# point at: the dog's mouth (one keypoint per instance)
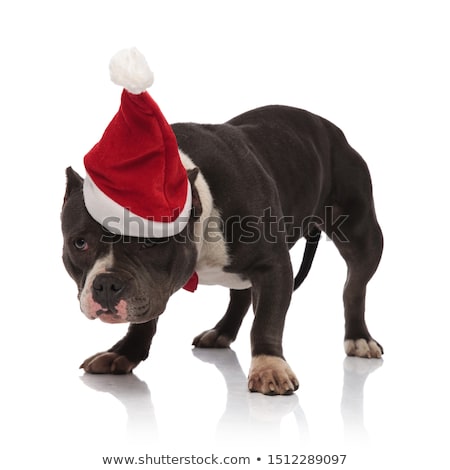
(123, 316)
(114, 314)
(107, 316)
(131, 309)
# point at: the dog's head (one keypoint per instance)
(119, 278)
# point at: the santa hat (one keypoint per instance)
(136, 184)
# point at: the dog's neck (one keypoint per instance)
(211, 250)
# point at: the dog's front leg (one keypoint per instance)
(272, 289)
(125, 355)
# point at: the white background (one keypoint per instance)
(379, 70)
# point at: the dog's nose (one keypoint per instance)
(107, 290)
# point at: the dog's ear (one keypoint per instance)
(196, 203)
(74, 182)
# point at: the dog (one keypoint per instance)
(260, 182)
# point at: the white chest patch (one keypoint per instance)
(212, 253)
(213, 276)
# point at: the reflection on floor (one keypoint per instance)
(257, 415)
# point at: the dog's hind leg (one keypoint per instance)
(361, 247)
(225, 332)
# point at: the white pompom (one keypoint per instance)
(129, 69)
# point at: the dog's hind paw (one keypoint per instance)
(271, 375)
(211, 339)
(108, 363)
(363, 348)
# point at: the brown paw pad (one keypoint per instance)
(211, 339)
(363, 348)
(108, 363)
(271, 375)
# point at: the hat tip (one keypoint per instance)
(128, 68)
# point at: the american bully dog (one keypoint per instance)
(259, 183)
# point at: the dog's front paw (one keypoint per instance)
(271, 375)
(211, 339)
(108, 363)
(363, 348)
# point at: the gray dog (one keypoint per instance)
(259, 183)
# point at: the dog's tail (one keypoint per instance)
(312, 241)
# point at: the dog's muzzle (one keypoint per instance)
(105, 299)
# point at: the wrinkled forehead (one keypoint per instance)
(75, 219)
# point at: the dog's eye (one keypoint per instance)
(80, 244)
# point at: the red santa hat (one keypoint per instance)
(136, 184)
